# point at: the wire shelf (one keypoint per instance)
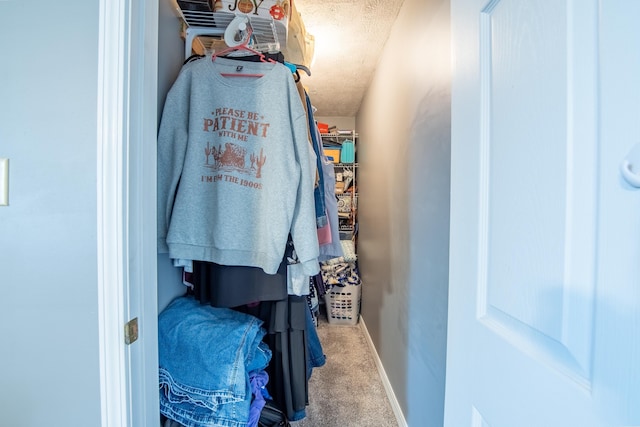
(206, 27)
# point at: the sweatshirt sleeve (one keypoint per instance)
(172, 144)
(303, 226)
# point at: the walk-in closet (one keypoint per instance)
(257, 222)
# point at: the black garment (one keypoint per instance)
(229, 286)
(276, 56)
(285, 323)
(232, 286)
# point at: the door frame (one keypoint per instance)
(126, 210)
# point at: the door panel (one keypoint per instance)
(535, 290)
(543, 321)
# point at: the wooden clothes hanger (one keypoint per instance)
(244, 46)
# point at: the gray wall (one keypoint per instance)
(170, 59)
(404, 156)
(49, 364)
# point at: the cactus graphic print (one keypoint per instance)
(234, 127)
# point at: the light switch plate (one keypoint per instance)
(4, 182)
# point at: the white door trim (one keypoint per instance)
(111, 136)
(126, 210)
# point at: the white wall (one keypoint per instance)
(49, 365)
(404, 157)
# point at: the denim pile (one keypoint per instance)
(212, 365)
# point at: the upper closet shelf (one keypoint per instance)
(207, 20)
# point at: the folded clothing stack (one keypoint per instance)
(208, 357)
(340, 273)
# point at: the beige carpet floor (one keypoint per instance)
(347, 391)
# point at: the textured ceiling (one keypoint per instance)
(349, 36)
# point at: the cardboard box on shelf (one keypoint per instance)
(333, 153)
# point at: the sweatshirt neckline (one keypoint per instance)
(264, 68)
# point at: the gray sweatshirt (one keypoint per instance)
(235, 167)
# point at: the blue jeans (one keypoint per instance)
(206, 355)
(315, 354)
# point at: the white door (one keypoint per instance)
(544, 315)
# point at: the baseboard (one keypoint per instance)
(383, 376)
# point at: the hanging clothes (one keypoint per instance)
(235, 167)
(233, 286)
(236, 175)
(285, 324)
(325, 191)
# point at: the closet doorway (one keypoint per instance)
(142, 57)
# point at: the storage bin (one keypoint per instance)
(343, 304)
(347, 152)
(323, 127)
